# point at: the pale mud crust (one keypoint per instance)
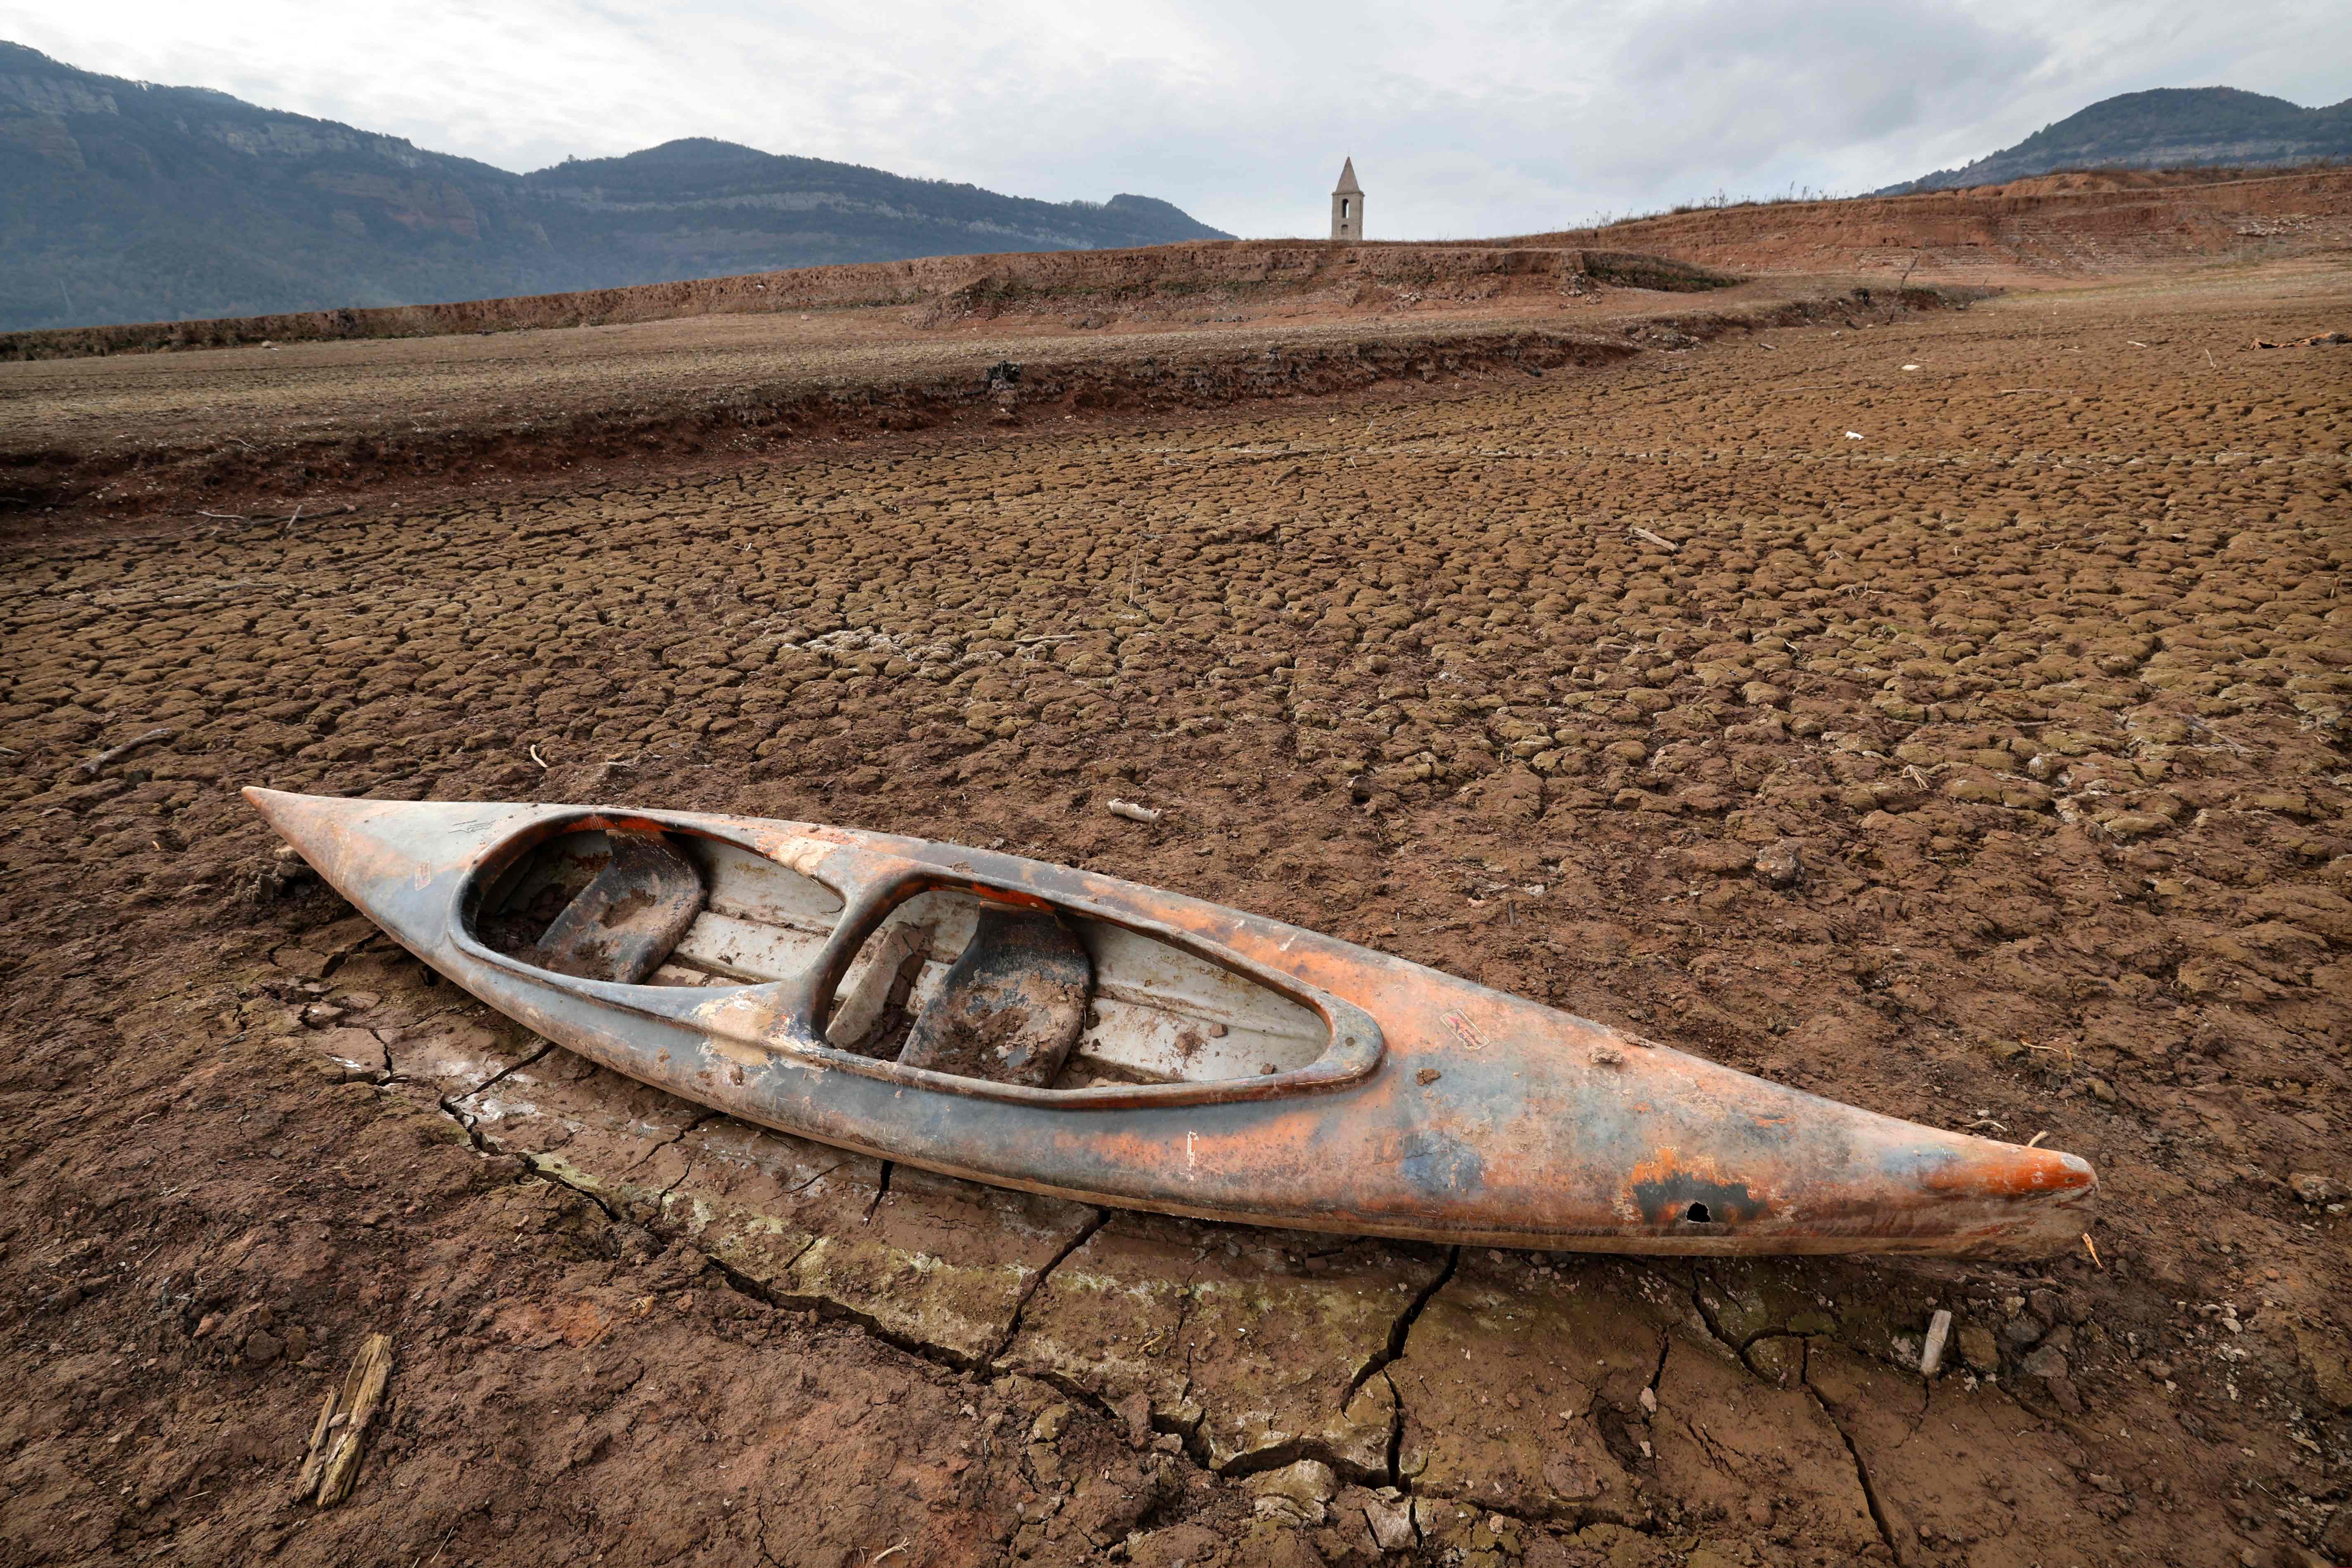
(1986, 767)
(248, 437)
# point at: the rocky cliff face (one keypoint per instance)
(133, 202)
(2165, 128)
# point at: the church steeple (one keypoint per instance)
(1347, 205)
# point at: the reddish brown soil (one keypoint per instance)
(2034, 687)
(2028, 232)
(1088, 289)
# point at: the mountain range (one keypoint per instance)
(2167, 128)
(124, 201)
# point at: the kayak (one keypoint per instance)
(1041, 1027)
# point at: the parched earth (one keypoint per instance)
(314, 427)
(1946, 716)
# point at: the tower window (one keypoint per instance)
(1347, 208)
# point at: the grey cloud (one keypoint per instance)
(1755, 82)
(1480, 116)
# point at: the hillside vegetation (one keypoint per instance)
(2169, 127)
(128, 202)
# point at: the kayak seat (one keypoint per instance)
(1012, 1006)
(624, 923)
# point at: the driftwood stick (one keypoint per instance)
(332, 1464)
(89, 769)
(314, 1457)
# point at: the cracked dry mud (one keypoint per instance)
(1987, 770)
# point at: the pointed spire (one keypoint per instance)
(1347, 185)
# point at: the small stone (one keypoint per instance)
(1649, 1402)
(298, 1342)
(2045, 1305)
(1778, 1359)
(1931, 1354)
(1296, 1491)
(2103, 1090)
(1979, 1349)
(2130, 825)
(1779, 864)
(2024, 1330)
(2046, 1363)
(2313, 1188)
(1391, 1526)
(1050, 1421)
(262, 1347)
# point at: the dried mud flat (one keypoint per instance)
(1985, 767)
(268, 430)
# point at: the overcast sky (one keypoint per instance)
(1465, 117)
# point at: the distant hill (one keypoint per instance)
(123, 201)
(2169, 127)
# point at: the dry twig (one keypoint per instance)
(333, 1463)
(89, 769)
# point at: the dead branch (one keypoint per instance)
(333, 1463)
(89, 769)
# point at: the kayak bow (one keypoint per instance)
(1035, 1027)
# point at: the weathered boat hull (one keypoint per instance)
(1439, 1109)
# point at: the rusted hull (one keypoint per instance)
(1442, 1110)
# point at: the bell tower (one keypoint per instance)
(1347, 205)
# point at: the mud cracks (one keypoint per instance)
(1985, 769)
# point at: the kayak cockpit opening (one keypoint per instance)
(948, 980)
